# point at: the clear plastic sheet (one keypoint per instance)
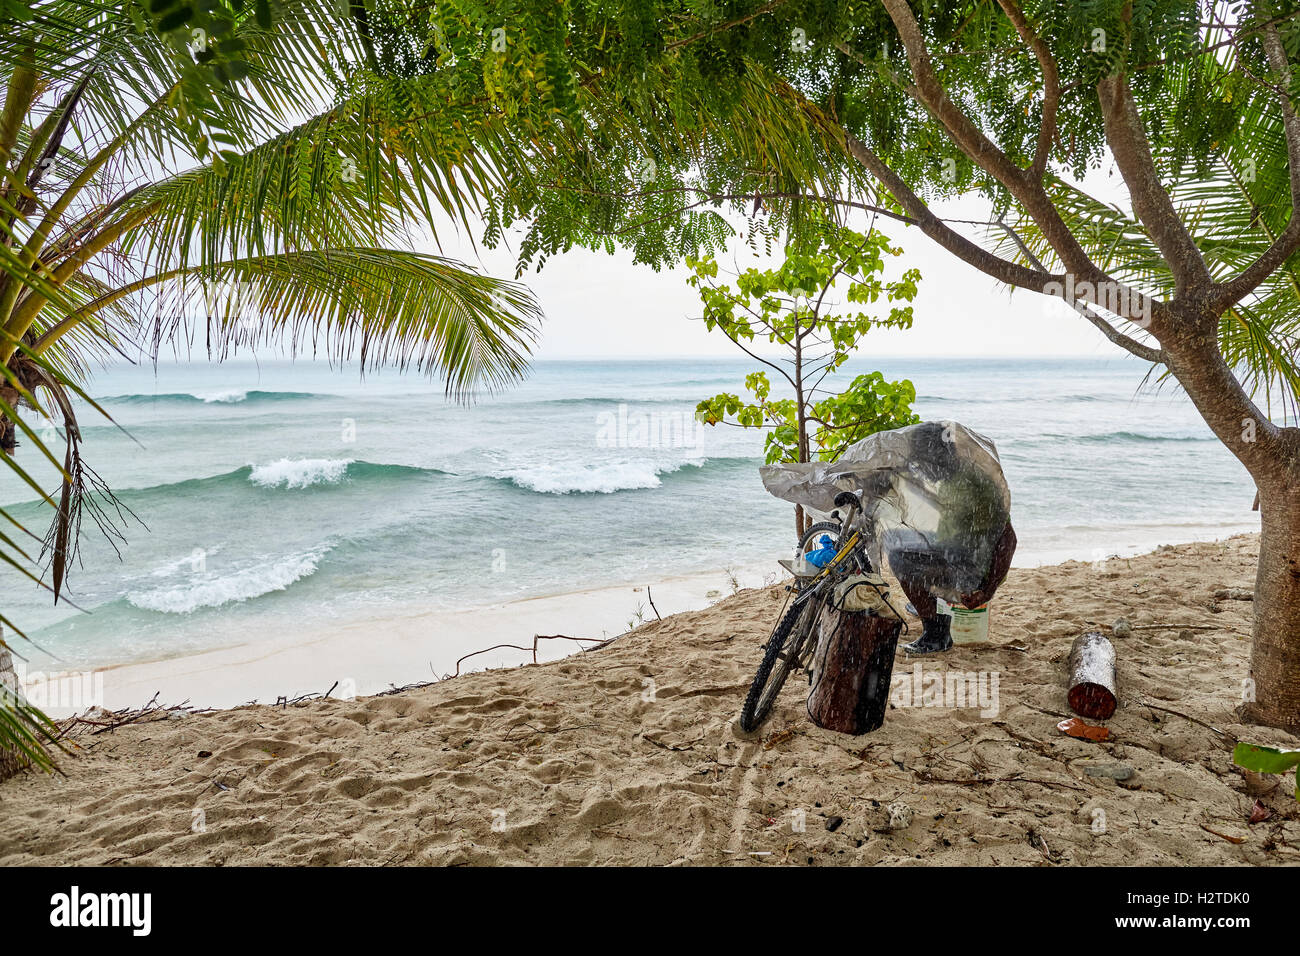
(933, 495)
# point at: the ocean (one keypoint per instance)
(275, 497)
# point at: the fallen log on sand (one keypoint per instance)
(1091, 691)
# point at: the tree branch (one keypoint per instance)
(772, 365)
(705, 34)
(1117, 337)
(1266, 449)
(1051, 84)
(930, 93)
(1037, 279)
(1003, 270)
(1025, 185)
(1127, 343)
(1151, 202)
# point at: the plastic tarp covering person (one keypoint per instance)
(934, 499)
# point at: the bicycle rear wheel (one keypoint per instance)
(808, 541)
(779, 656)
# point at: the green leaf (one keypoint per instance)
(1266, 760)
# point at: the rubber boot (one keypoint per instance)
(936, 636)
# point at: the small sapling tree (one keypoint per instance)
(815, 333)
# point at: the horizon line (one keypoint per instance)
(743, 359)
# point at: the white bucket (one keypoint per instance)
(970, 625)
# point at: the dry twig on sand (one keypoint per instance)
(651, 599)
(1224, 836)
(1176, 627)
(536, 637)
(927, 777)
(1200, 723)
(109, 720)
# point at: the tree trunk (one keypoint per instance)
(10, 763)
(1272, 456)
(1275, 648)
(8, 431)
(802, 521)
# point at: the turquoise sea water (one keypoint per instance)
(277, 495)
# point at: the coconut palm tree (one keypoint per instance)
(236, 175)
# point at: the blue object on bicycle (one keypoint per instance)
(821, 557)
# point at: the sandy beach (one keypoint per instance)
(629, 754)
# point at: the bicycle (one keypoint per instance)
(789, 646)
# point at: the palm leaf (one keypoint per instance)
(385, 306)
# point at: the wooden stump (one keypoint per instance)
(851, 670)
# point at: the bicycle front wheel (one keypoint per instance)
(779, 656)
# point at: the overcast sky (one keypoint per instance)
(600, 305)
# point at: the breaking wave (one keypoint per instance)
(232, 588)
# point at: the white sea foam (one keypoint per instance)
(300, 472)
(563, 479)
(225, 398)
(214, 590)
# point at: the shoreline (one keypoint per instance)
(371, 655)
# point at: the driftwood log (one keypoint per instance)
(851, 670)
(1091, 691)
